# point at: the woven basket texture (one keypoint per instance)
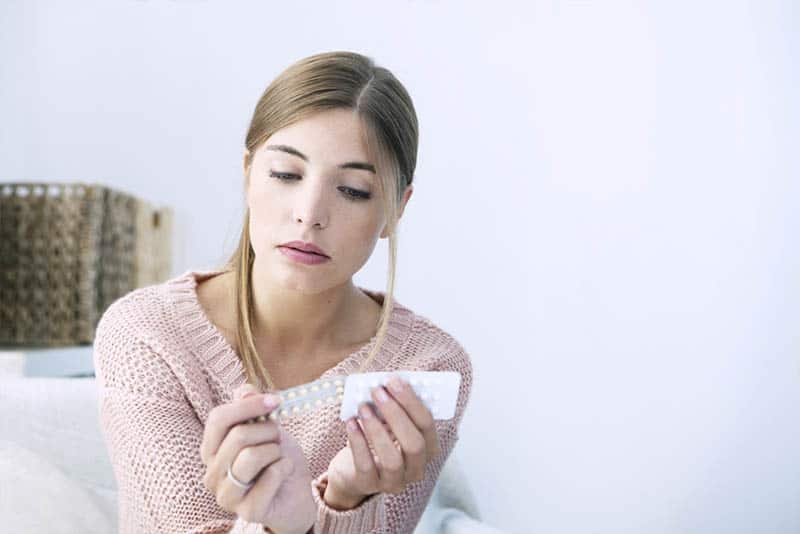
(69, 250)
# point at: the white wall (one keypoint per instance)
(605, 215)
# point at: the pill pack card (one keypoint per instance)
(438, 391)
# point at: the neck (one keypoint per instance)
(297, 324)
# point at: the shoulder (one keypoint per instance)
(431, 347)
(133, 339)
(139, 314)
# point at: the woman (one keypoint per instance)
(187, 370)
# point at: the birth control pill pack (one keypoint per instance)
(438, 391)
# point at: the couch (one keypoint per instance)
(57, 477)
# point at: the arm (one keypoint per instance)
(393, 513)
(153, 438)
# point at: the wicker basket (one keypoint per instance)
(67, 251)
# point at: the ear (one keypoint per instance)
(406, 195)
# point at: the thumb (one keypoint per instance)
(245, 390)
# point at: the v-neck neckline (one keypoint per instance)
(214, 350)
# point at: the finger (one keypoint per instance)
(241, 438)
(412, 443)
(245, 390)
(405, 395)
(362, 456)
(223, 417)
(246, 467)
(265, 488)
(390, 460)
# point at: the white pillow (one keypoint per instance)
(36, 496)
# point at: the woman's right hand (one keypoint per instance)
(263, 452)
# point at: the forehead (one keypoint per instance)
(325, 137)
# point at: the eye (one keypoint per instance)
(356, 194)
(349, 192)
(283, 175)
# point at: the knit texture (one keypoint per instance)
(162, 366)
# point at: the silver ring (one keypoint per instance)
(238, 482)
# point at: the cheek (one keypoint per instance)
(263, 221)
(363, 228)
(358, 237)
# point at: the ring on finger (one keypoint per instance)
(238, 482)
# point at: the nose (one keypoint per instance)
(310, 204)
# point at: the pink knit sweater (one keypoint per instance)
(161, 366)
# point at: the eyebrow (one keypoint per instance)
(349, 165)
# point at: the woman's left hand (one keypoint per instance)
(400, 452)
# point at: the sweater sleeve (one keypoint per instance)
(153, 439)
(383, 513)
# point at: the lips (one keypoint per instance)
(306, 251)
(302, 246)
(302, 257)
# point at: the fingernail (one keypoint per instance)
(381, 395)
(351, 425)
(249, 394)
(396, 384)
(271, 401)
(365, 412)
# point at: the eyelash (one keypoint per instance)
(349, 192)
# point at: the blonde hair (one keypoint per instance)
(325, 81)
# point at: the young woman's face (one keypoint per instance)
(311, 198)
